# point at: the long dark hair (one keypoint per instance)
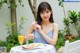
(42, 7)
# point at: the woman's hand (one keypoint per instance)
(38, 27)
(34, 25)
(30, 36)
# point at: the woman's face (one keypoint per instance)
(45, 15)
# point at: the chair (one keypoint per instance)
(73, 47)
(2, 49)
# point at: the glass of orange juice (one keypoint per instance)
(20, 39)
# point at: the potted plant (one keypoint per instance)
(68, 35)
(74, 18)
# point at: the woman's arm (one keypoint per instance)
(52, 40)
(28, 35)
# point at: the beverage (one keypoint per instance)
(21, 39)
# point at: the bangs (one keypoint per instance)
(43, 7)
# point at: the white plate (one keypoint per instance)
(33, 46)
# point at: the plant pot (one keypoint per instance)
(68, 37)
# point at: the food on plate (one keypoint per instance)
(28, 47)
(38, 44)
(31, 46)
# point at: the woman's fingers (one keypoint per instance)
(30, 36)
(25, 38)
(35, 25)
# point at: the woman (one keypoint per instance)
(43, 30)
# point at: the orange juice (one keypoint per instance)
(21, 39)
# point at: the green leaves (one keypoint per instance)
(22, 21)
(78, 15)
(11, 3)
(5, 1)
(1, 3)
(73, 16)
(60, 3)
(9, 24)
(2, 43)
(60, 41)
(8, 27)
(20, 1)
(66, 21)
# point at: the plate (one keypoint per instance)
(33, 46)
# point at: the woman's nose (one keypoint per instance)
(45, 14)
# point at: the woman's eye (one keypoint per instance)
(47, 11)
(42, 13)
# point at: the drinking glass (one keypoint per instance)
(20, 39)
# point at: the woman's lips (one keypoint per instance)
(45, 17)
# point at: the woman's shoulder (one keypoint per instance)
(55, 24)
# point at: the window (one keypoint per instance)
(71, 0)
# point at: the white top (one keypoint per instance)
(46, 49)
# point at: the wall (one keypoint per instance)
(4, 17)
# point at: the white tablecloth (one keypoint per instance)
(46, 49)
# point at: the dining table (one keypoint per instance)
(45, 49)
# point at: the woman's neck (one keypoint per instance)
(45, 23)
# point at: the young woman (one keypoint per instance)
(43, 30)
